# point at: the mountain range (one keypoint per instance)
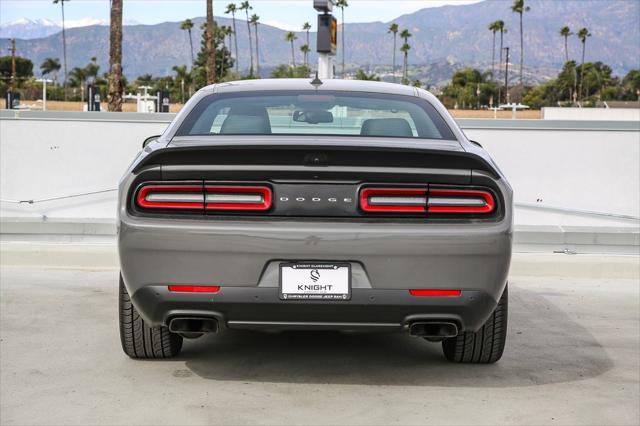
(448, 36)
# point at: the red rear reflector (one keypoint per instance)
(435, 292)
(256, 198)
(171, 197)
(393, 200)
(460, 201)
(195, 288)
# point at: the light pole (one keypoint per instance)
(44, 82)
(327, 37)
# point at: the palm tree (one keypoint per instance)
(92, 69)
(115, 57)
(210, 44)
(64, 47)
(306, 27)
(305, 53)
(246, 7)
(519, 8)
(566, 32)
(393, 29)
(582, 35)
(503, 29)
(231, 8)
(342, 4)
(254, 21)
(494, 28)
(405, 49)
(405, 34)
(187, 25)
(183, 76)
(291, 37)
(51, 66)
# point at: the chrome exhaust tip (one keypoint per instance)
(436, 330)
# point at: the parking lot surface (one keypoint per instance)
(572, 357)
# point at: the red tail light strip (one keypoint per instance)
(194, 288)
(257, 198)
(460, 201)
(435, 293)
(171, 197)
(393, 200)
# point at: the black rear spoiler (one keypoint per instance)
(316, 156)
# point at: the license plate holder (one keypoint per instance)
(315, 281)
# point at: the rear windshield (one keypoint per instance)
(313, 113)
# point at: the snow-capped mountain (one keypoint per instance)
(29, 28)
(26, 28)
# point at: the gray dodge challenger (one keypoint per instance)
(301, 204)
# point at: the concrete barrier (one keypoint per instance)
(564, 173)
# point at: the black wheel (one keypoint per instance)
(138, 339)
(486, 345)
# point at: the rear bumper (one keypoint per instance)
(368, 309)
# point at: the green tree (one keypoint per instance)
(342, 4)
(247, 7)
(393, 29)
(91, 70)
(631, 85)
(290, 37)
(224, 62)
(183, 79)
(520, 8)
(254, 20)
(362, 75)
(64, 46)
(405, 34)
(232, 8)
(187, 25)
(51, 66)
(494, 28)
(582, 35)
(305, 53)
(306, 27)
(284, 71)
(24, 68)
(566, 32)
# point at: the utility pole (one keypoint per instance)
(13, 65)
(506, 77)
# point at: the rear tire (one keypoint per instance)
(486, 345)
(139, 341)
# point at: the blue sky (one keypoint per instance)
(286, 14)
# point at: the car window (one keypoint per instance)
(313, 113)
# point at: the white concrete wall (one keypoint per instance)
(594, 170)
(611, 114)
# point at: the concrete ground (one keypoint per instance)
(572, 357)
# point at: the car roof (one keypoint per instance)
(305, 84)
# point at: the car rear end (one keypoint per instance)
(365, 232)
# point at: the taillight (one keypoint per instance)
(190, 196)
(171, 197)
(416, 200)
(393, 200)
(194, 288)
(435, 292)
(460, 201)
(257, 198)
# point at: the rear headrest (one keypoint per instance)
(397, 127)
(246, 119)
